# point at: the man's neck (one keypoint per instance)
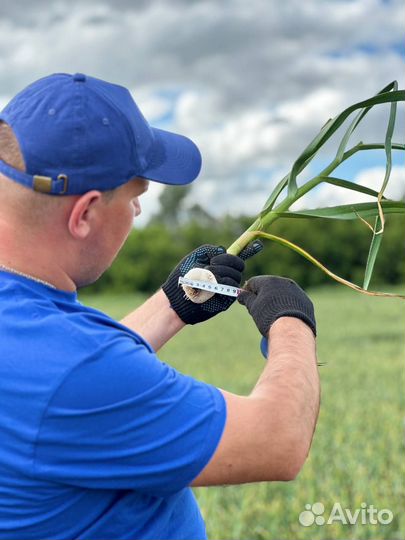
(46, 277)
(34, 258)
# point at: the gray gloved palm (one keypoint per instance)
(226, 268)
(267, 298)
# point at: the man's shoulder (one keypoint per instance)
(95, 325)
(59, 312)
(54, 334)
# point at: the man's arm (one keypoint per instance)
(268, 433)
(163, 315)
(154, 320)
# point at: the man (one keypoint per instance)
(99, 439)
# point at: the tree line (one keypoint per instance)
(152, 252)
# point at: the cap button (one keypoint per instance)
(79, 77)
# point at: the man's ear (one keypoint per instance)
(84, 215)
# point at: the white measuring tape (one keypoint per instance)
(217, 288)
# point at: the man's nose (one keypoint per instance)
(137, 207)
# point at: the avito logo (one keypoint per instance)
(365, 515)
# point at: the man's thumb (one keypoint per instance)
(245, 297)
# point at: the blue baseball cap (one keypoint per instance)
(79, 133)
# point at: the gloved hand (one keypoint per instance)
(267, 298)
(227, 269)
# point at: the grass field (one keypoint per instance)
(357, 454)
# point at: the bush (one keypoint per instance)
(151, 253)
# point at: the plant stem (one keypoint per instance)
(271, 212)
(265, 221)
(243, 240)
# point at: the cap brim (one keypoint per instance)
(174, 159)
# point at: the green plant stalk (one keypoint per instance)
(260, 223)
(271, 212)
(389, 94)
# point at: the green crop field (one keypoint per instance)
(357, 454)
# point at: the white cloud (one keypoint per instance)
(250, 82)
(152, 106)
(329, 195)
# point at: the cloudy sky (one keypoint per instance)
(251, 82)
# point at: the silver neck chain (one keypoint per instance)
(13, 271)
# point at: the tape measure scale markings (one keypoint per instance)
(216, 288)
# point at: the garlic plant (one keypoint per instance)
(287, 191)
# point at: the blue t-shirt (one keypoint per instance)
(98, 438)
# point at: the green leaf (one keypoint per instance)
(358, 118)
(371, 146)
(268, 205)
(309, 257)
(331, 127)
(372, 254)
(343, 143)
(379, 226)
(388, 142)
(349, 185)
(348, 211)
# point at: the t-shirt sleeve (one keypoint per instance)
(122, 419)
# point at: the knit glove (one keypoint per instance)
(227, 269)
(267, 298)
